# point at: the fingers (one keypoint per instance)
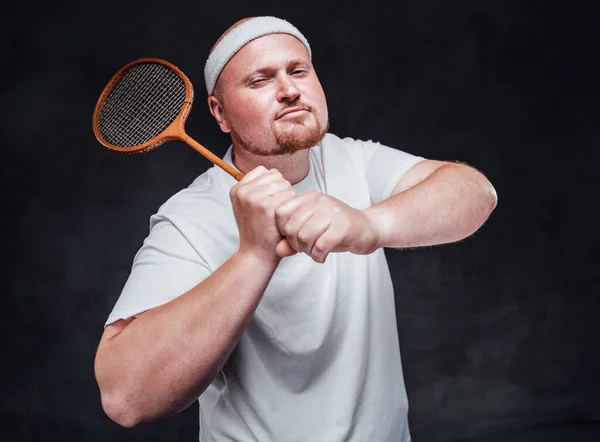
(328, 242)
(313, 224)
(317, 238)
(282, 197)
(250, 176)
(267, 206)
(254, 199)
(256, 178)
(285, 211)
(304, 237)
(284, 249)
(261, 189)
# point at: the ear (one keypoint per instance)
(216, 109)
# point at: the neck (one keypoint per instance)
(294, 167)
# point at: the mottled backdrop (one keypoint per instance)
(497, 332)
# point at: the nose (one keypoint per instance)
(288, 90)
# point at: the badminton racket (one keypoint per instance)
(145, 104)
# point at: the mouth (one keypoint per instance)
(292, 112)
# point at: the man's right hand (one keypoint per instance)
(211, 317)
(254, 201)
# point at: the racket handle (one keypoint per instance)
(213, 158)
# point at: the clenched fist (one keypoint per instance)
(254, 201)
(318, 224)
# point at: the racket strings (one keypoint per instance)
(144, 102)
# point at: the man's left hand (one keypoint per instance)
(318, 224)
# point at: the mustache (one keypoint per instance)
(292, 108)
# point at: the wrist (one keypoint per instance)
(259, 258)
(376, 226)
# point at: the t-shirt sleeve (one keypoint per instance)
(383, 167)
(165, 267)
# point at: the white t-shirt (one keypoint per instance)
(320, 360)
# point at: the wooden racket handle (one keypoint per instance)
(213, 158)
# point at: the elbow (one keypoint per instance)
(484, 192)
(117, 401)
(484, 202)
(491, 197)
(119, 411)
(481, 191)
(116, 398)
(488, 200)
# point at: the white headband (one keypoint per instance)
(240, 36)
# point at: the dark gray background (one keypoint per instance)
(497, 332)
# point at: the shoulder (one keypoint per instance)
(332, 140)
(206, 195)
(348, 146)
(346, 150)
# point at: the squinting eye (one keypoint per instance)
(258, 82)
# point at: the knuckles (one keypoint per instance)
(279, 212)
(323, 199)
(304, 236)
(288, 229)
(240, 194)
(261, 169)
(320, 248)
(249, 196)
(276, 172)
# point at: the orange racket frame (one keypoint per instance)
(175, 131)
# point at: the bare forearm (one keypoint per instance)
(447, 206)
(164, 359)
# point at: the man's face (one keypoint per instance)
(272, 100)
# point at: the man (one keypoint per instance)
(270, 299)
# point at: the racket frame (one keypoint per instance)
(175, 131)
